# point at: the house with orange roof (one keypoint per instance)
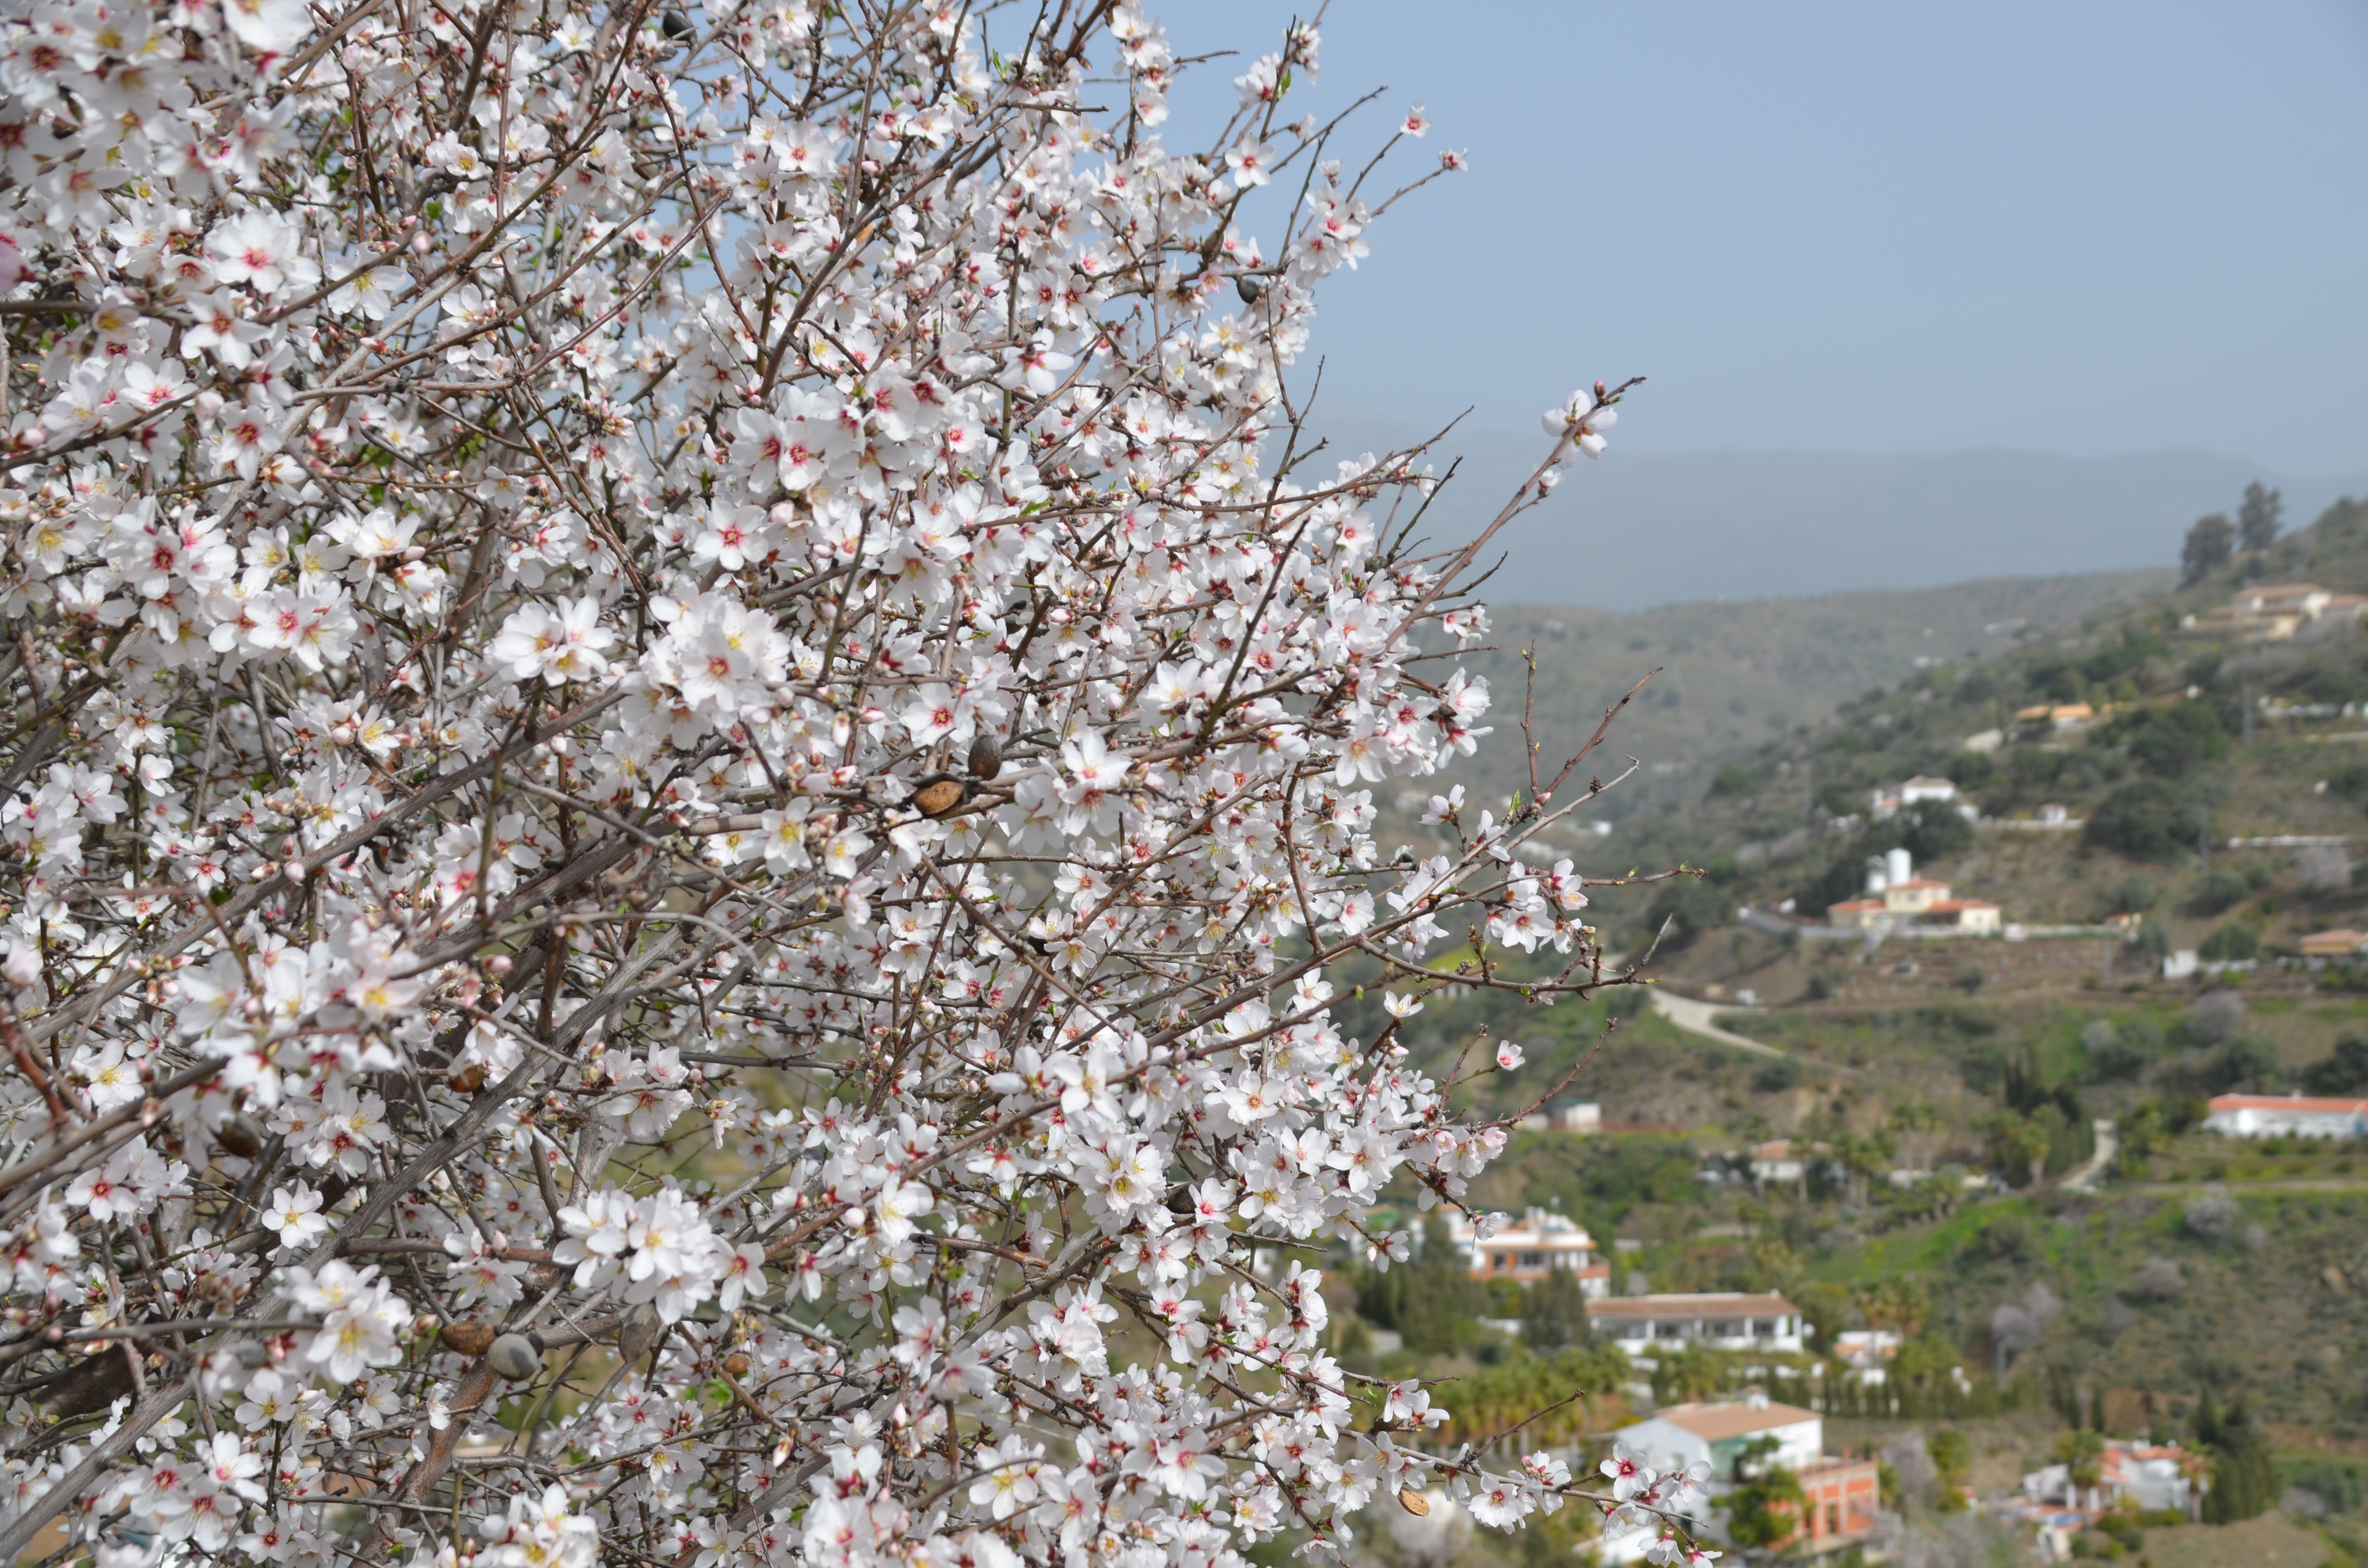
(1739, 1440)
(1897, 898)
(2286, 1116)
(2341, 943)
(1541, 1244)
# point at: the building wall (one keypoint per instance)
(1638, 1337)
(1842, 1497)
(1798, 1446)
(1664, 1445)
(1668, 1446)
(2253, 1121)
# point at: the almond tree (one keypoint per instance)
(691, 729)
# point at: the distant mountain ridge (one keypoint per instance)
(1642, 527)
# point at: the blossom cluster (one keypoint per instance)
(692, 733)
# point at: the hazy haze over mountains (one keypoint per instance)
(1646, 528)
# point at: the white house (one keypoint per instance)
(2145, 1477)
(1582, 1117)
(1718, 1435)
(1777, 1164)
(1738, 1440)
(1720, 1320)
(1890, 802)
(1897, 898)
(1542, 1243)
(1868, 1352)
(2305, 599)
(2286, 1116)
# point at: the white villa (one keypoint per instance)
(1890, 802)
(1542, 1243)
(1715, 1435)
(2286, 1116)
(2147, 1478)
(1719, 1320)
(1897, 898)
(1840, 1498)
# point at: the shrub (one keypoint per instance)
(2170, 742)
(2222, 889)
(2157, 1279)
(2213, 1218)
(2113, 1055)
(2343, 1072)
(1737, 778)
(2131, 895)
(1690, 906)
(2145, 820)
(2236, 941)
(2214, 1017)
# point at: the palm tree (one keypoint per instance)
(2083, 1453)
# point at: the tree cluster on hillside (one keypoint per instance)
(2213, 541)
(2244, 1474)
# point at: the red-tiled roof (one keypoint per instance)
(2287, 1102)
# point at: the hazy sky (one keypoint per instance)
(2089, 228)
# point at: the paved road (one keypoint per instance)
(2092, 1172)
(1701, 1018)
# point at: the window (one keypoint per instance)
(1833, 1518)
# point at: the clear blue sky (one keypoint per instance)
(2090, 228)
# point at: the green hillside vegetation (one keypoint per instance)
(1735, 673)
(2193, 742)
(1943, 1094)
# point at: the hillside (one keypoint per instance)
(2164, 741)
(1944, 1097)
(1732, 674)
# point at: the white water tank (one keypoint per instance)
(1899, 868)
(1875, 881)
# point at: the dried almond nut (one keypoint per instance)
(469, 1079)
(736, 1364)
(939, 794)
(468, 1338)
(1413, 1501)
(242, 1135)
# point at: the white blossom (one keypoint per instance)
(688, 723)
